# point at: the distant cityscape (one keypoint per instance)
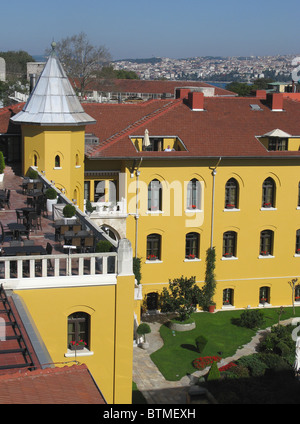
(209, 68)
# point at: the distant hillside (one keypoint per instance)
(151, 60)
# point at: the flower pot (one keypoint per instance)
(144, 345)
(79, 347)
(211, 308)
(50, 203)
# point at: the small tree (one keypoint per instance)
(51, 193)
(2, 163)
(103, 246)
(292, 284)
(143, 329)
(181, 297)
(69, 211)
(209, 287)
(214, 373)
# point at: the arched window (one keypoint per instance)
(192, 246)
(77, 159)
(153, 247)
(35, 160)
(297, 293)
(268, 193)
(193, 200)
(57, 161)
(266, 243)
(79, 331)
(264, 295)
(231, 194)
(99, 191)
(228, 296)
(297, 242)
(154, 196)
(229, 244)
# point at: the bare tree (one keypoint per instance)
(292, 284)
(81, 60)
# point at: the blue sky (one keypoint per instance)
(163, 28)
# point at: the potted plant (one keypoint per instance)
(33, 174)
(89, 208)
(77, 345)
(69, 211)
(51, 197)
(142, 330)
(212, 307)
(2, 166)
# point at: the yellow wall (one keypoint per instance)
(111, 322)
(245, 274)
(47, 143)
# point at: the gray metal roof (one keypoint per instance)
(53, 100)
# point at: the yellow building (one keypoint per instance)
(201, 172)
(86, 315)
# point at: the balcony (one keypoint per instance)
(62, 268)
(109, 209)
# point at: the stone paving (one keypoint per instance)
(155, 388)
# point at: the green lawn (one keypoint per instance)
(174, 359)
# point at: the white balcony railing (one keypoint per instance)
(54, 266)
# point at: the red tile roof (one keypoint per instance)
(5, 114)
(66, 385)
(228, 127)
(151, 87)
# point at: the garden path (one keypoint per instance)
(155, 388)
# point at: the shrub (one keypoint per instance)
(137, 269)
(214, 373)
(143, 329)
(274, 363)
(103, 246)
(69, 211)
(279, 341)
(33, 174)
(240, 371)
(51, 193)
(89, 207)
(251, 318)
(254, 364)
(201, 342)
(2, 163)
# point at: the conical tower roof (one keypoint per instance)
(53, 100)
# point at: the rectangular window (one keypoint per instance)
(87, 190)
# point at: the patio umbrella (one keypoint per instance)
(297, 358)
(146, 139)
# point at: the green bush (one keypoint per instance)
(2, 163)
(89, 207)
(254, 364)
(201, 342)
(214, 373)
(240, 371)
(51, 193)
(137, 269)
(33, 174)
(143, 329)
(252, 318)
(69, 211)
(103, 246)
(279, 341)
(274, 363)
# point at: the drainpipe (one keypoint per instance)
(214, 172)
(137, 172)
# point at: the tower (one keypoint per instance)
(53, 130)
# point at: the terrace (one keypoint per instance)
(35, 252)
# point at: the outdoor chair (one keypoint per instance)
(76, 241)
(7, 199)
(30, 188)
(88, 244)
(20, 217)
(5, 233)
(49, 252)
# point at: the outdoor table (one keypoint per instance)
(26, 250)
(16, 229)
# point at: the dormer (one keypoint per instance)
(278, 140)
(157, 143)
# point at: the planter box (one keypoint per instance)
(182, 327)
(80, 347)
(50, 203)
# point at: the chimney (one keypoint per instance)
(261, 94)
(275, 101)
(32, 81)
(196, 101)
(182, 93)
